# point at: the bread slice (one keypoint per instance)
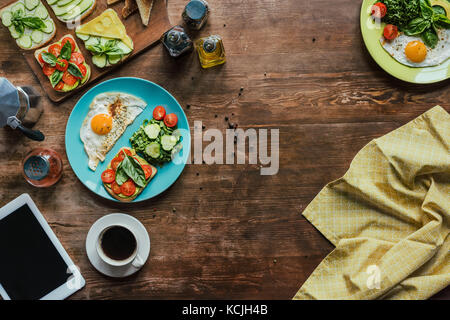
(49, 36)
(79, 18)
(129, 7)
(88, 68)
(145, 9)
(142, 161)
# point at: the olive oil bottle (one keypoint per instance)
(211, 51)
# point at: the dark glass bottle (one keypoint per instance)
(195, 14)
(177, 41)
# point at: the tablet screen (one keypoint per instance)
(30, 265)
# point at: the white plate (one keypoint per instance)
(109, 220)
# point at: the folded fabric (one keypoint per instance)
(389, 218)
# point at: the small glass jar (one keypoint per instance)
(176, 41)
(195, 14)
(42, 167)
(211, 51)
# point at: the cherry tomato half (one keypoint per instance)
(147, 170)
(62, 64)
(116, 188)
(390, 32)
(83, 70)
(108, 176)
(48, 70)
(77, 58)
(72, 43)
(379, 10)
(159, 112)
(59, 86)
(55, 49)
(128, 188)
(115, 163)
(128, 152)
(69, 79)
(171, 120)
(40, 58)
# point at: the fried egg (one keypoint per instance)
(411, 50)
(109, 115)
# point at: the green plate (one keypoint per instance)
(372, 32)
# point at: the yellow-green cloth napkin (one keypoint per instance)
(389, 218)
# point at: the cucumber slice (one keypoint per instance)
(25, 41)
(49, 26)
(14, 32)
(18, 6)
(92, 41)
(114, 58)
(152, 130)
(83, 37)
(78, 10)
(6, 18)
(99, 60)
(153, 150)
(62, 3)
(50, 2)
(41, 12)
(37, 36)
(122, 46)
(31, 4)
(60, 11)
(168, 142)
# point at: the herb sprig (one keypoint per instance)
(20, 21)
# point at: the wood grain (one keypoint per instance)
(236, 234)
(143, 38)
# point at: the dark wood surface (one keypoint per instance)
(235, 234)
(143, 38)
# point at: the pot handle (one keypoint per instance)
(32, 134)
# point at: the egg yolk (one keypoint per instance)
(416, 51)
(101, 123)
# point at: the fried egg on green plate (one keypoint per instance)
(412, 52)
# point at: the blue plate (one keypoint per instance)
(154, 95)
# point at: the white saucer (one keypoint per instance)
(111, 219)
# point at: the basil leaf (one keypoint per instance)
(427, 11)
(134, 170)
(74, 70)
(416, 26)
(56, 77)
(121, 176)
(33, 22)
(443, 22)
(430, 38)
(438, 10)
(66, 51)
(49, 58)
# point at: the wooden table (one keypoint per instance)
(225, 231)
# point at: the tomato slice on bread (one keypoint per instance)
(108, 176)
(116, 188)
(128, 188)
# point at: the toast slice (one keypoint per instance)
(142, 161)
(47, 37)
(82, 82)
(145, 9)
(129, 7)
(74, 18)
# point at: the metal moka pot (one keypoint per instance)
(18, 105)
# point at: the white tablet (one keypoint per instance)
(33, 263)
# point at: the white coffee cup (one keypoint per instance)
(134, 259)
